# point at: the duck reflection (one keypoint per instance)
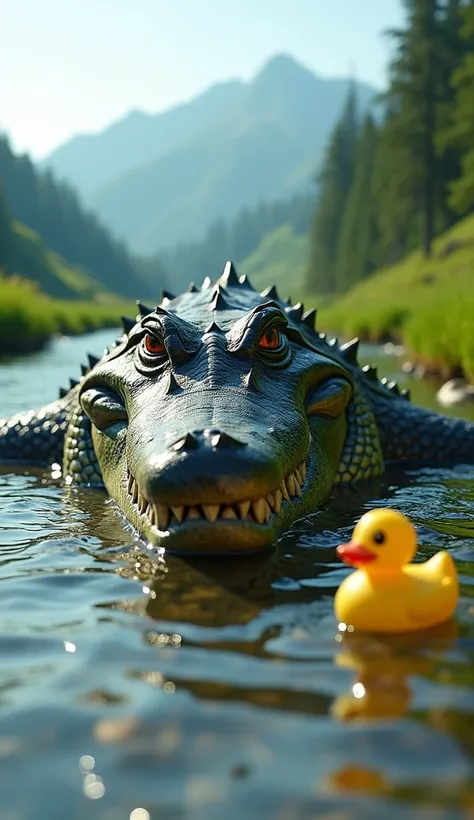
(383, 668)
(355, 779)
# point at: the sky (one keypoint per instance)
(71, 67)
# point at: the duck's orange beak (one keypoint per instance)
(354, 554)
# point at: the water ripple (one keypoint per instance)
(191, 689)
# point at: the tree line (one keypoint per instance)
(235, 239)
(395, 178)
(53, 209)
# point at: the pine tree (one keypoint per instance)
(461, 133)
(397, 215)
(358, 232)
(5, 233)
(419, 87)
(455, 46)
(335, 181)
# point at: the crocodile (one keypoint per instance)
(222, 415)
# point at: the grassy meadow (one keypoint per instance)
(28, 318)
(427, 304)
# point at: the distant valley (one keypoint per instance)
(156, 180)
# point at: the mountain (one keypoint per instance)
(260, 140)
(90, 161)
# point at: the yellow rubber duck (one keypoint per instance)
(387, 593)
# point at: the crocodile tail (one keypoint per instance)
(411, 434)
(35, 436)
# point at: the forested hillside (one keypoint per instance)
(30, 274)
(387, 188)
(54, 213)
(427, 304)
(240, 239)
(22, 251)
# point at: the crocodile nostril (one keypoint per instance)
(219, 439)
(215, 438)
(187, 442)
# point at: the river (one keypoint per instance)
(140, 688)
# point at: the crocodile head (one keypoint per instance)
(218, 420)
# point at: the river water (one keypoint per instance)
(140, 688)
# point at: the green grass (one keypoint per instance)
(50, 296)
(28, 318)
(428, 304)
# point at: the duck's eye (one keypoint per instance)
(270, 340)
(153, 345)
(378, 537)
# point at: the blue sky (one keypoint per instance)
(74, 66)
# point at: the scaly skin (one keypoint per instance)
(214, 441)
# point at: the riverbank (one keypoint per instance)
(426, 304)
(28, 318)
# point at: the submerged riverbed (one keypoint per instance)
(133, 686)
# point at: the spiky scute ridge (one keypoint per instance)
(380, 427)
(306, 320)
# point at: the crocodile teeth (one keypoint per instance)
(278, 500)
(260, 511)
(284, 491)
(291, 485)
(178, 513)
(244, 507)
(211, 511)
(163, 515)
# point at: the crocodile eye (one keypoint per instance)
(153, 345)
(378, 537)
(271, 339)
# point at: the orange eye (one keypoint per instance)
(270, 340)
(153, 346)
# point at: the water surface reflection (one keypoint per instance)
(215, 689)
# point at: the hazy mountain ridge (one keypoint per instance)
(226, 149)
(90, 161)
